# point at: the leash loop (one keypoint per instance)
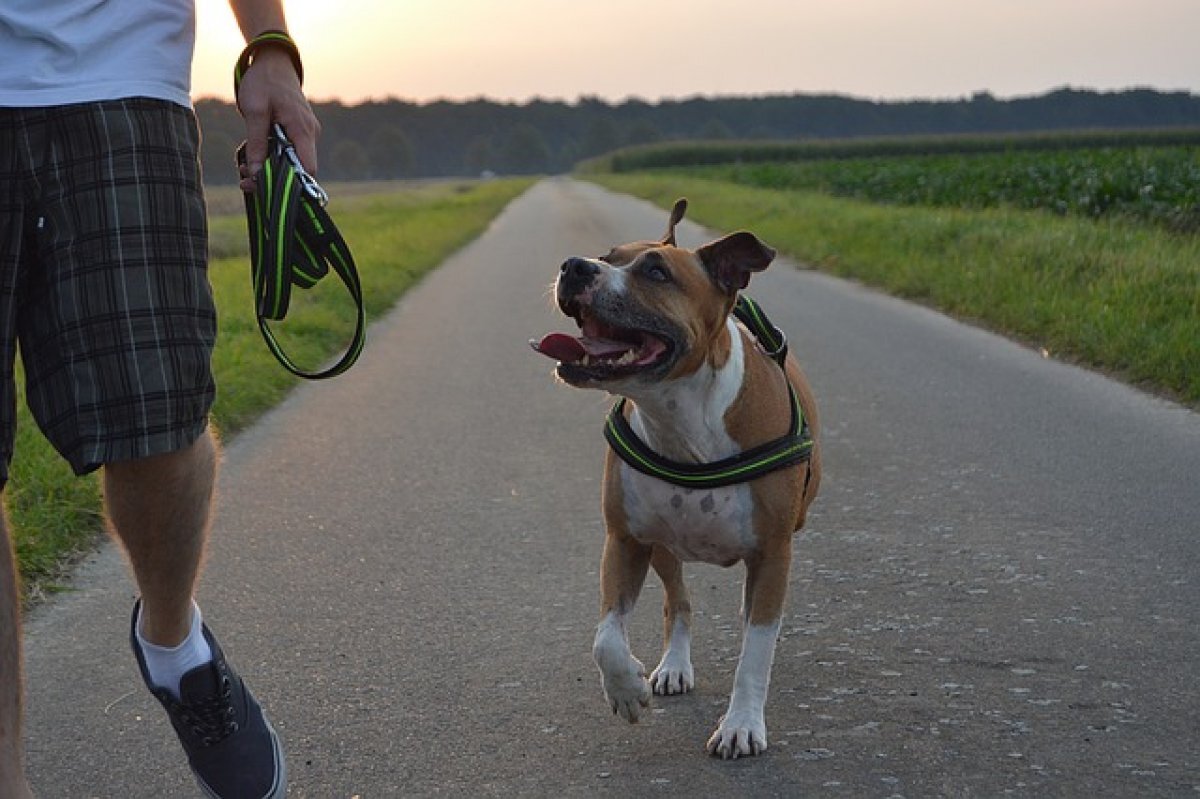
(271, 38)
(294, 242)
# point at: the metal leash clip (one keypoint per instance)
(288, 151)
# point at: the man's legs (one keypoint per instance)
(159, 509)
(126, 373)
(12, 774)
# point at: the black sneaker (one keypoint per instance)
(233, 752)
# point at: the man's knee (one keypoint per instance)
(196, 460)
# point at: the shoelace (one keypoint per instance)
(212, 720)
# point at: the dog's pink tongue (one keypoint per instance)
(560, 347)
(570, 349)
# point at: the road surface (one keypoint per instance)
(996, 594)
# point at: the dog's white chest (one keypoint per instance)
(709, 525)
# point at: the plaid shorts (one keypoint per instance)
(103, 279)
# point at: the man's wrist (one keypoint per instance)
(273, 39)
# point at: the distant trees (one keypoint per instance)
(390, 153)
(642, 132)
(478, 156)
(714, 129)
(525, 151)
(351, 161)
(602, 136)
(397, 139)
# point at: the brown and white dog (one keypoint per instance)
(656, 329)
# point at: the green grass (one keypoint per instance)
(396, 236)
(1111, 294)
(52, 514)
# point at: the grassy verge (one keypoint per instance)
(1110, 294)
(397, 236)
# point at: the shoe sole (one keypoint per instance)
(278, 790)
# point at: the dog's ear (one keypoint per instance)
(676, 217)
(730, 260)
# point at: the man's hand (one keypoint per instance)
(270, 92)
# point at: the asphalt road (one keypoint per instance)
(996, 594)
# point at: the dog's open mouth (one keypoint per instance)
(603, 351)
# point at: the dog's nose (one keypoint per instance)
(578, 268)
(575, 274)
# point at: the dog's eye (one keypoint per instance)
(656, 272)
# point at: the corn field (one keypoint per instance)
(1153, 178)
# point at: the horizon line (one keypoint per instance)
(631, 98)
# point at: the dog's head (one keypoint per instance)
(649, 311)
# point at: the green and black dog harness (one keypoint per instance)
(793, 447)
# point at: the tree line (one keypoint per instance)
(398, 139)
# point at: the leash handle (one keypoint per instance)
(271, 38)
(343, 265)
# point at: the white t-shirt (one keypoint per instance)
(56, 52)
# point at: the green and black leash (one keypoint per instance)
(793, 447)
(293, 240)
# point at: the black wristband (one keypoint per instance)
(266, 39)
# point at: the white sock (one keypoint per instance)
(166, 665)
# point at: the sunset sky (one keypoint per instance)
(516, 50)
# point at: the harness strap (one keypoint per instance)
(772, 339)
(793, 447)
(293, 241)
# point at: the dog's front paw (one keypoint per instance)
(740, 734)
(627, 690)
(623, 675)
(673, 676)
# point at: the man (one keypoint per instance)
(103, 284)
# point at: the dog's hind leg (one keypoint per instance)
(623, 569)
(674, 672)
